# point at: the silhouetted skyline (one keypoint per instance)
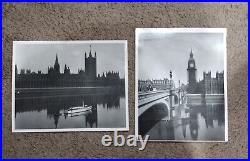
(110, 56)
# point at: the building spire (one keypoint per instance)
(56, 65)
(191, 53)
(56, 59)
(90, 55)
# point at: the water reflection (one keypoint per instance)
(151, 117)
(189, 122)
(193, 124)
(48, 112)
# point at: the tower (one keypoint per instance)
(56, 66)
(66, 70)
(16, 70)
(191, 70)
(90, 65)
(207, 82)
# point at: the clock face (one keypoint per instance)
(192, 65)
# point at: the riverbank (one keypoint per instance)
(202, 99)
(58, 91)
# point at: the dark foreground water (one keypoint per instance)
(204, 122)
(43, 112)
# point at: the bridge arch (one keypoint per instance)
(149, 118)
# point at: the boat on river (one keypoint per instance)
(78, 110)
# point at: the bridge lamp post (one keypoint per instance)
(179, 101)
(170, 92)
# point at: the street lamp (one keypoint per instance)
(179, 92)
(170, 92)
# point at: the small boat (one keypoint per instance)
(78, 109)
(77, 114)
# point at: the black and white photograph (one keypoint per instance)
(181, 84)
(69, 86)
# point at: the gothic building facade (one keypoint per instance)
(54, 78)
(90, 65)
(155, 84)
(192, 83)
(213, 85)
(208, 85)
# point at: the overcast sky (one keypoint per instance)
(110, 56)
(158, 53)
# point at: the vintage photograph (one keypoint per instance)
(181, 87)
(69, 86)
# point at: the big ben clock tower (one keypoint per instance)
(191, 74)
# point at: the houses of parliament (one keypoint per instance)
(54, 78)
(208, 85)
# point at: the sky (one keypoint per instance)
(110, 56)
(160, 52)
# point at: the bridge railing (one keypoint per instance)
(150, 94)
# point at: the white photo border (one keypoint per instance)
(139, 31)
(126, 128)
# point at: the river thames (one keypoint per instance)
(47, 112)
(201, 122)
